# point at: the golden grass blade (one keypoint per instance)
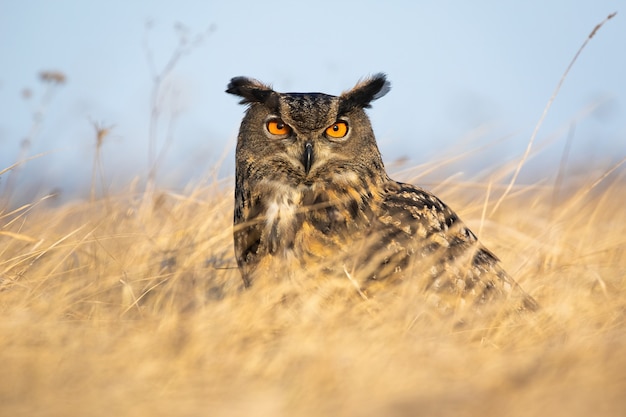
(17, 164)
(19, 236)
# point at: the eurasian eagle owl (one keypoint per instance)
(312, 199)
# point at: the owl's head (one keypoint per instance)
(302, 138)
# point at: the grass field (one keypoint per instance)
(131, 306)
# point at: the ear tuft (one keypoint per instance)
(365, 92)
(251, 90)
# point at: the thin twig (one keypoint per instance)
(102, 132)
(545, 112)
(184, 47)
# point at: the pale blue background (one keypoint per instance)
(454, 66)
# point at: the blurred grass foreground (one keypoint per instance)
(131, 305)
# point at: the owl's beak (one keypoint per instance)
(307, 156)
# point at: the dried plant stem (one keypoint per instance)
(184, 47)
(545, 112)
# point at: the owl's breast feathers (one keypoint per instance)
(298, 227)
(381, 234)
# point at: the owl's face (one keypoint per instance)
(304, 138)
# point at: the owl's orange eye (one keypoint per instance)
(278, 127)
(337, 130)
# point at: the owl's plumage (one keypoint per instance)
(312, 197)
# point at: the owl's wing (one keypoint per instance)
(419, 237)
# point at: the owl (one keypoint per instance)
(313, 199)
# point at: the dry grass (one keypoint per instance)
(121, 308)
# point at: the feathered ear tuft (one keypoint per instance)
(251, 90)
(365, 92)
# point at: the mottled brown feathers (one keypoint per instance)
(251, 90)
(364, 93)
(313, 203)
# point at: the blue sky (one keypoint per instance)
(462, 73)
